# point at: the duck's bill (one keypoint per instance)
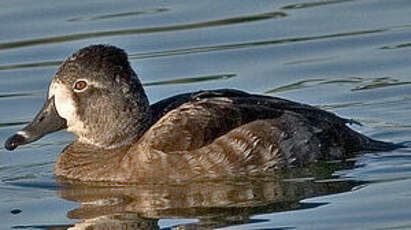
(46, 121)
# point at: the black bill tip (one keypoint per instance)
(14, 141)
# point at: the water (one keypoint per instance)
(351, 57)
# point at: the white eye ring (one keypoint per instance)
(80, 85)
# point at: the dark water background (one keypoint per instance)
(352, 57)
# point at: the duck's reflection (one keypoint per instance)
(213, 203)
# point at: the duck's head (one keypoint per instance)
(96, 95)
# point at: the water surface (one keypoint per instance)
(351, 57)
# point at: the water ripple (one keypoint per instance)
(313, 4)
(399, 46)
(359, 83)
(7, 124)
(196, 50)
(22, 94)
(183, 51)
(380, 83)
(191, 79)
(310, 60)
(79, 36)
(30, 65)
(118, 15)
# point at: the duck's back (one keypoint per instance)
(232, 132)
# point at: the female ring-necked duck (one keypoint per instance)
(96, 95)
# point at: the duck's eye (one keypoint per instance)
(80, 86)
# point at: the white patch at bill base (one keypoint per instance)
(66, 107)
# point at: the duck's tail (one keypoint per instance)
(356, 142)
(378, 146)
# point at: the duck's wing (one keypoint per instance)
(229, 132)
(193, 120)
(160, 108)
(245, 99)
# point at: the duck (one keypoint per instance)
(121, 137)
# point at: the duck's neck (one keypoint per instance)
(117, 134)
